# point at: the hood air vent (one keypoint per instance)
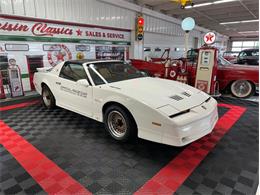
(176, 97)
(186, 94)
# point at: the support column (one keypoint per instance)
(137, 48)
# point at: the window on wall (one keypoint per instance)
(241, 45)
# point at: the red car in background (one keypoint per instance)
(231, 56)
(241, 80)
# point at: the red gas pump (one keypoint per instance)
(2, 91)
(206, 74)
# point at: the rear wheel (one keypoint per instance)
(119, 123)
(242, 89)
(47, 97)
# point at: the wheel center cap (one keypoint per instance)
(119, 123)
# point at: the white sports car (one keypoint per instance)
(128, 102)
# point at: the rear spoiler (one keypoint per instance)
(45, 69)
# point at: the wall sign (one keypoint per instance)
(209, 38)
(55, 57)
(82, 48)
(12, 27)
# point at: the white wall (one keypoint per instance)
(81, 11)
(160, 29)
(154, 40)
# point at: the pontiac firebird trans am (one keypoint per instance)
(128, 102)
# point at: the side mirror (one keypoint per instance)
(83, 82)
(144, 73)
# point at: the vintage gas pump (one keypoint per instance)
(206, 75)
(2, 91)
(15, 79)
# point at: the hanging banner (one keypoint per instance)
(11, 27)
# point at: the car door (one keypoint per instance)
(242, 58)
(72, 94)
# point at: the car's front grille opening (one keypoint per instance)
(176, 97)
(180, 113)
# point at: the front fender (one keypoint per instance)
(144, 116)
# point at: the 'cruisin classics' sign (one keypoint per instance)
(44, 29)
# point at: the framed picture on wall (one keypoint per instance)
(147, 48)
(82, 47)
(157, 49)
(16, 47)
(110, 53)
(51, 47)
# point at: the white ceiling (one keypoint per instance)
(210, 16)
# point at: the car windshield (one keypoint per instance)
(116, 71)
(252, 53)
(222, 61)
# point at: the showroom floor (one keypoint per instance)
(59, 151)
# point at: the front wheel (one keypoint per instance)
(119, 123)
(242, 89)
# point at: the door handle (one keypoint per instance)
(58, 83)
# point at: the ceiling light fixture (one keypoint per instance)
(238, 22)
(223, 1)
(248, 32)
(211, 3)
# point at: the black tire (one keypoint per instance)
(48, 99)
(242, 89)
(126, 123)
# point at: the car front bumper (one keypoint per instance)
(193, 125)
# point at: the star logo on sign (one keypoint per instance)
(79, 32)
(209, 37)
(60, 56)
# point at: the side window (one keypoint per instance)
(255, 53)
(96, 79)
(73, 72)
(243, 54)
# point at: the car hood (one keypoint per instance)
(159, 93)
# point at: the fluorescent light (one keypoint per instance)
(223, 1)
(247, 21)
(235, 22)
(238, 22)
(211, 3)
(202, 4)
(198, 5)
(248, 32)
